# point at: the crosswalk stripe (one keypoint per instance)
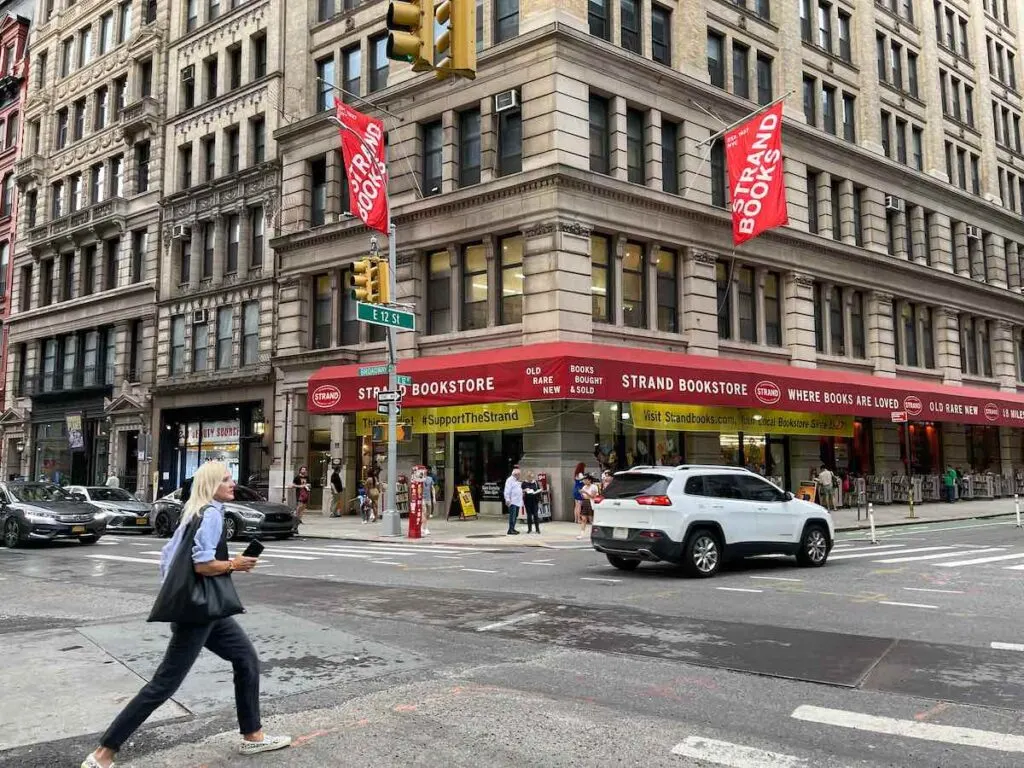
(981, 560)
(125, 559)
(883, 547)
(358, 550)
(734, 755)
(329, 553)
(397, 547)
(939, 556)
(273, 555)
(875, 554)
(1014, 568)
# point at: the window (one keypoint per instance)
(78, 124)
(56, 199)
(62, 128)
(773, 309)
(177, 344)
(318, 190)
(432, 158)
(259, 56)
(506, 20)
(106, 32)
(599, 19)
(825, 26)
(32, 204)
(352, 70)
(969, 105)
(975, 175)
(7, 199)
(67, 266)
(235, 67)
(912, 83)
(883, 71)
(225, 322)
(836, 209)
(102, 98)
(723, 283)
(74, 192)
(212, 9)
(747, 303)
(209, 229)
(812, 202)
(740, 70)
(97, 183)
(901, 141)
(234, 228)
(886, 133)
(66, 49)
(46, 282)
(200, 346)
(805, 20)
(849, 118)
(661, 35)
(325, 83)
(719, 182)
(669, 157)
(469, 147)
(210, 77)
(666, 267)
(69, 361)
(897, 65)
(857, 324)
(380, 65)
(439, 293)
(324, 9)
(511, 287)
(5, 260)
(209, 158)
(185, 165)
(927, 340)
(146, 78)
(322, 311)
(26, 288)
(234, 149)
(909, 321)
(49, 364)
(124, 21)
(84, 46)
(142, 166)
(716, 59)
(139, 242)
(828, 109)
(120, 94)
(510, 142)
(764, 79)
(256, 245)
(600, 278)
(474, 287)
(837, 330)
(810, 101)
(965, 50)
(600, 149)
(630, 18)
(258, 139)
(917, 147)
(845, 48)
(185, 261)
(635, 146)
(634, 287)
(250, 332)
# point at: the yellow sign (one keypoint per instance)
(701, 418)
(466, 501)
(807, 492)
(488, 417)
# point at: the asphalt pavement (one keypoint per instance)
(903, 652)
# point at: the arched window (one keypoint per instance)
(11, 136)
(7, 201)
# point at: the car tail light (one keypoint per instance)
(598, 499)
(654, 501)
(650, 534)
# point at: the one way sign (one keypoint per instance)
(389, 396)
(382, 408)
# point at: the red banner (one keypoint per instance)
(560, 371)
(362, 146)
(757, 188)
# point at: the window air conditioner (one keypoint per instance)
(893, 203)
(199, 316)
(180, 232)
(188, 74)
(973, 232)
(506, 100)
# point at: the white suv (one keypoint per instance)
(700, 515)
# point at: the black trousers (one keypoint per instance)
(532, 519)
(224, 638)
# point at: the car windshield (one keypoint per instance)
(244, 494)
(38, 492)
(110, 494)
(629, 485)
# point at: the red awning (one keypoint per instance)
(573, 371)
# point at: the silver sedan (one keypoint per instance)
(121, 511)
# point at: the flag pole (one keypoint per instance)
(715, 136)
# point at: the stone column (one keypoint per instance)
(961, 255)
(824, 196)
(942, 242)
(848, 226)
(616, 312)
(449, 152)
(196, 260)
(869, 102)
(1012, 266)
(946, 328)
(700, 321)
(652, 144)
(931, 94)
(977, 260)
(918, 242)
(795, 174)
(696, 170)
(996, 268)
(219, 224)
(881, 337)
(557, 280)
(335, 180)
(799, 319)
(874, 221)
(619, 160)
(493, 265)
(899, 225)
(1004, 366)
(651, 278)
(488, 141)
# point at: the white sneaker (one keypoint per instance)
(269, 744)
(92, 762)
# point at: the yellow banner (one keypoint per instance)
(700, 418)
(488, 417)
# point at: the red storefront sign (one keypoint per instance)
(564, 371)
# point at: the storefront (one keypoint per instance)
(618, 407)
(69, 441)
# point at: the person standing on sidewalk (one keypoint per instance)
(513, 500)
(588, 493)
(301, 487)
(531, 499)
(949, 481)
(337, 488)
(826, 489)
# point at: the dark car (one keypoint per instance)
(121, 510)
(44, 512)
(249, 515)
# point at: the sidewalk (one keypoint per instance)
(491, 531)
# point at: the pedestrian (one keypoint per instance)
(949, 481)
(588, 493)
(826, 488)
(428, 494)
(513, 499)
(578, 473)
(212, 486)
(606, 478)
(112, 479)
(337, 488)
(531, 500)
(372, 484)
(301, 486)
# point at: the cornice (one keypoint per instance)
(252, 185)
(223, 108)
(241, 287)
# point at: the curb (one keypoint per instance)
(920, 521)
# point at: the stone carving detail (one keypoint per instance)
(704, 257)
(407, 257)
(206, 41)
(223, 111)
(882, 297)
(546, 228)
(803, 280)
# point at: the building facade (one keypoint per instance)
(569, 195)
(217, 309)
(82, 326)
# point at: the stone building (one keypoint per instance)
(82, 323)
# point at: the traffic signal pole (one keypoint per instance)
(391, 520)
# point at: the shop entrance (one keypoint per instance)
(483, 460)
(765, 454)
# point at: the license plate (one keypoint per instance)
(78, 529)
(141, 521)
(620, 533)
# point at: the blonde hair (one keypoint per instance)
(204, 484)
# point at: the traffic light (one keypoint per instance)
(411, 33)
(455, 50)
(366, 281)
(379, 432)
(384, 281)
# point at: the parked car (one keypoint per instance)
(700, 516)
(121, 510)
(249, 514)
(44, 512)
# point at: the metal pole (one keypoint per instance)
(715, 136)
(871, 521)
(391, 521)
(910, 471)
(1016, 507)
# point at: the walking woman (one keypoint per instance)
(588, 493)
(301, 486)
(211, 487)
(577, 474)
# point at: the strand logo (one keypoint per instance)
(326, 395)
(991, 411)
(767, 392)
(913, 405)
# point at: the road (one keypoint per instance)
(902, 653)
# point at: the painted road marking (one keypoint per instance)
(507, 622)
(416, 548)
(477, 570)
(1008, 646)
(356, 551)
(775, 578)
(734, 755)
(534, 562)
(940, 591)
(874, 549)
(386, 562)
(447, 557)
(591, 578)
(1014, 568)
(981, 560)
(902, 552)
(939, 556)
(276, 555)
(947, 734)
(323, 553)
(738, 589)
(907, 605)
(108, 543)
(125, 559)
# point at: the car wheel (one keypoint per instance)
(702, 556)
(284, 536)
(12, 536)
(89, 539)
(813, 550)
(162, 525)
(230, 527)
(623, 563)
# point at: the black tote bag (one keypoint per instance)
(187, 597)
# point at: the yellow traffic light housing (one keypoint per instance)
(365, 281)
(455, 50)
(384, 282)
(411, 33)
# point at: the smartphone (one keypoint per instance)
(255, 549)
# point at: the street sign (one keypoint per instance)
(380, 315)
(898, 417)
(405, 381)
(389, 397)
(382, 408)
(373, 370)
